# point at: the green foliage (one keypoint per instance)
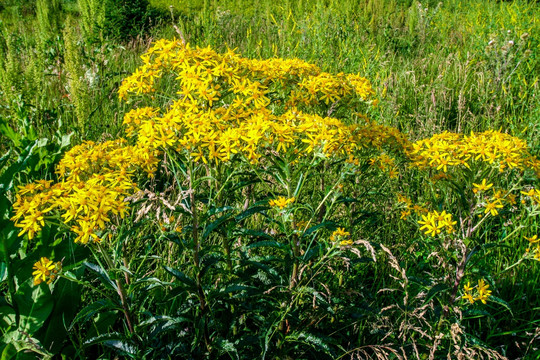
(78, 88)
(126, 19)
(49, 18)
(92, 18)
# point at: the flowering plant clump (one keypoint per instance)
(231, 107)
(450, 152)
(534, 246)
(481, 292)
(192, 192)
(341, 236)
(94, 182)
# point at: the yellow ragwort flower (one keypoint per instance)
(45, 270)
(281, 202)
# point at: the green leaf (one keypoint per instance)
(435, 290)
(8, 132)
(89, 311)
(254, 233)
(181, 276)
(317, 342)
(224, 346)
(251, 211)
(299, 185)
(271, 243)
(312, 252)
(9, 352)
(475, 313)
(115, 341)
(324, 224)
(209, 261)
(7, 317)
(35, 304)
(7, 178)
(216, 210)
(4, 159)
(215, 224)
(500, 301)
(103, 275)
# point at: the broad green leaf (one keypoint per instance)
(324, 224)
(215, 224)
(500, 301)
(116, 341)
(35, 304)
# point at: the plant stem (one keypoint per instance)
(120, 288)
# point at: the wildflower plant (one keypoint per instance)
(252, 179)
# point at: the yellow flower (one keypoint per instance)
(483, 292)
(45, 270)
(405, 214)
(468, 297)
(434, 222)
(281, 202)
(483, 186)
(491, 207)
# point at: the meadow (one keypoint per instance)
(311, 179)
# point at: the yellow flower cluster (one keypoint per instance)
(94, 181)
(434, 222)
(482, 292)
(46, 270)
(281, 202)
(533, 194)
(329, 88)
(447, 150)
(228, 105)
(534, 244)
(410, 208)
(342, 236)
(495, 202)
(385, 163)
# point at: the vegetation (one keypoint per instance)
(312, 179)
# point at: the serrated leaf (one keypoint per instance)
(254, 233)
(324, 224)
(226, 347)
(314, 251)
(103, 275)
(115, 341)
(215, 224)
(315, 341)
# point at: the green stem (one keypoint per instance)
(196, 258)
(120, 288)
